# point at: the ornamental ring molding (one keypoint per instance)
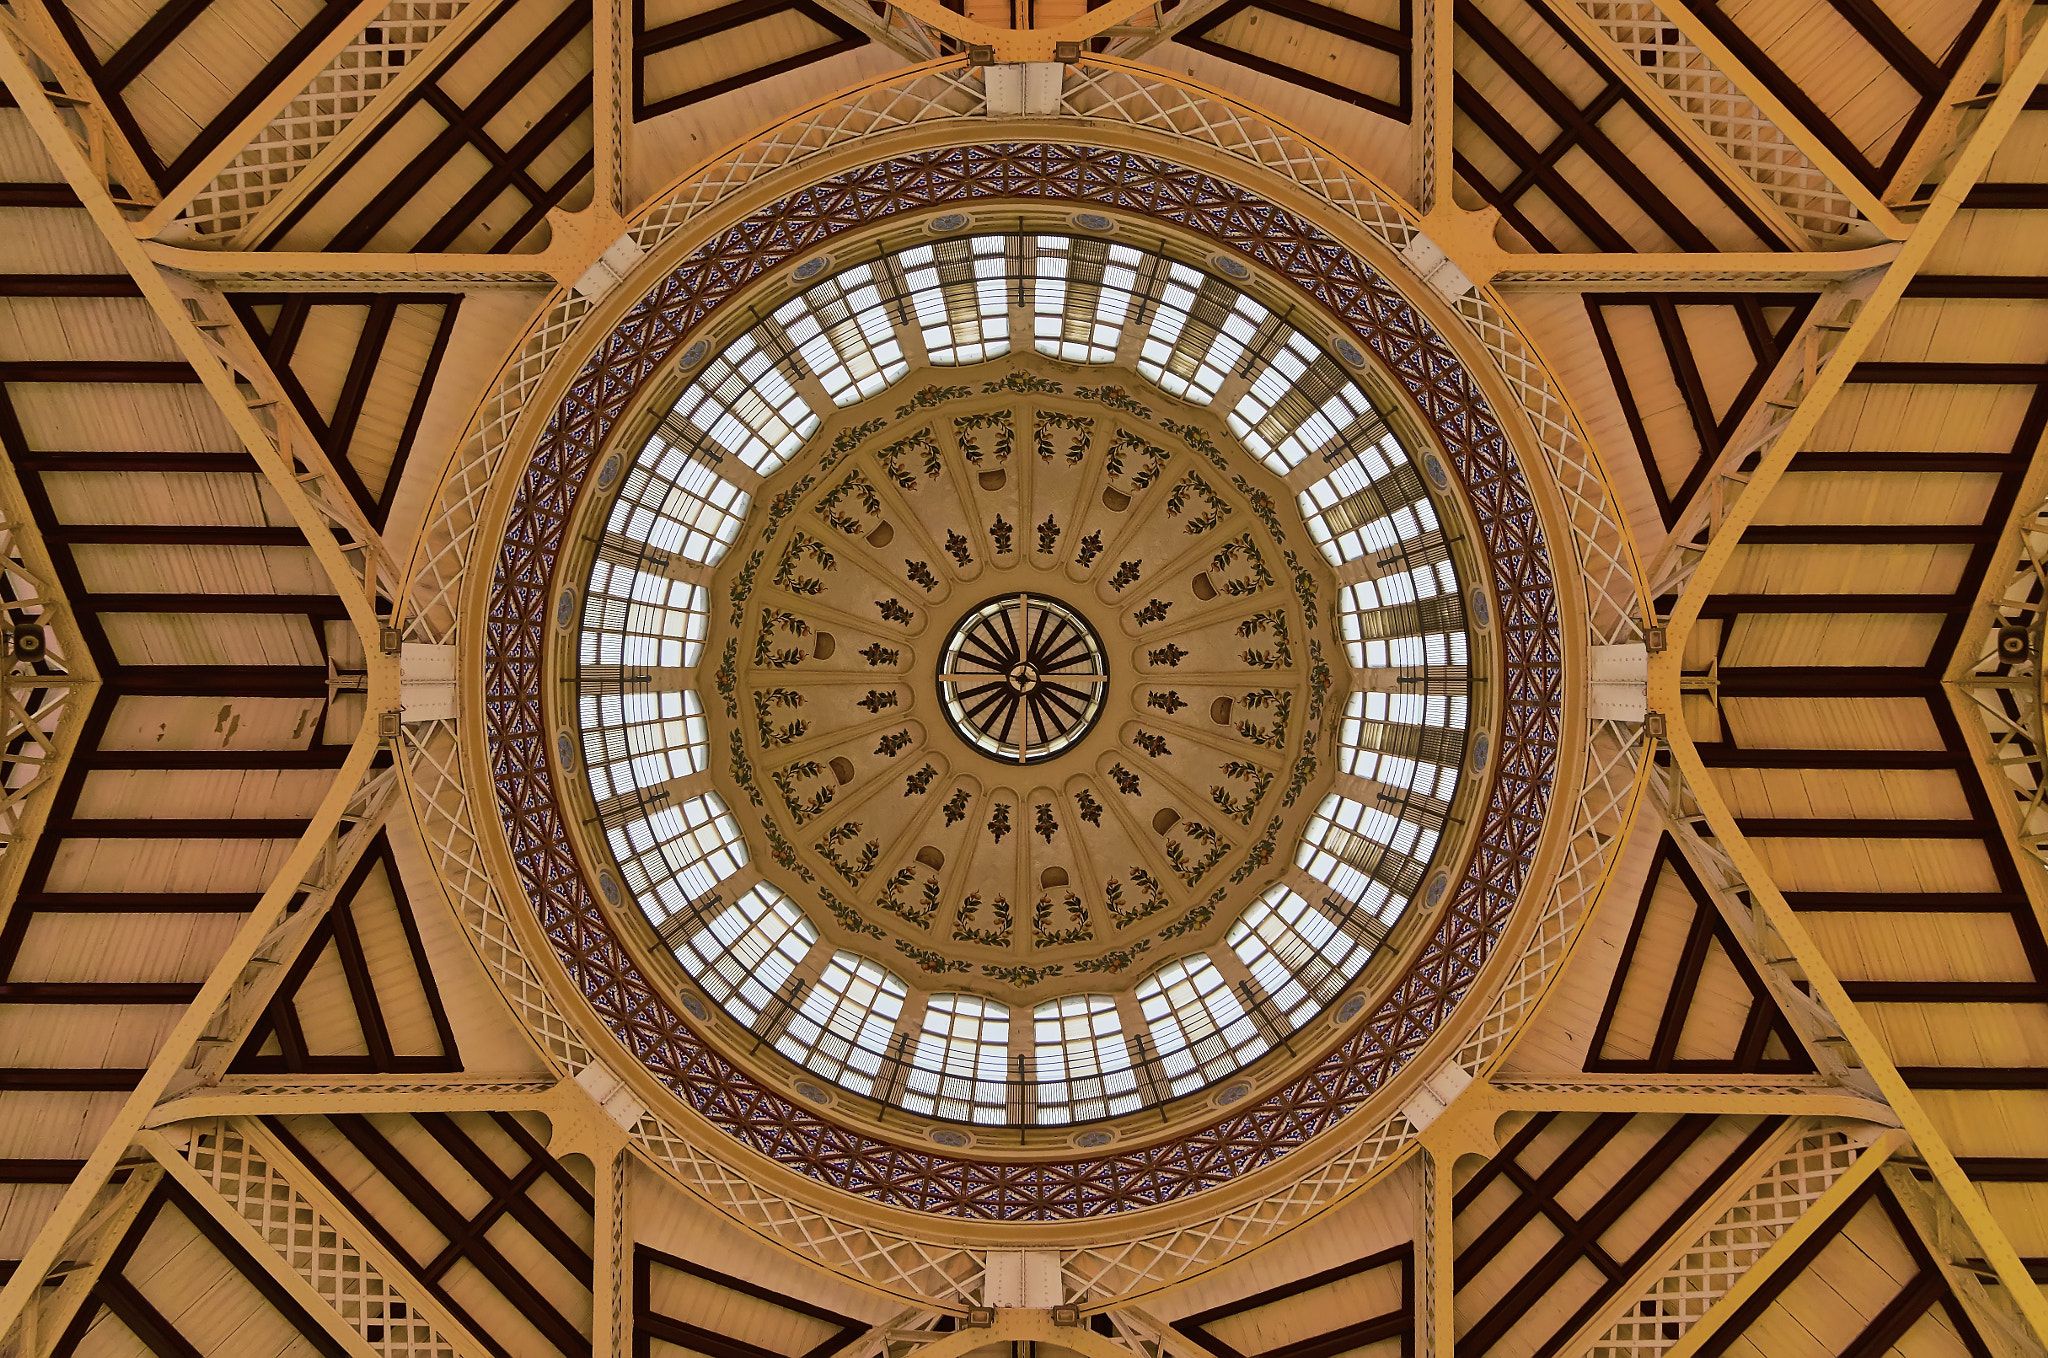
(1563, 575)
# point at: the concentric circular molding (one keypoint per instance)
(1409, 346)
(1023, 677)
(1122, 102)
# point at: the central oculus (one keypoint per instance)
(1023, 678)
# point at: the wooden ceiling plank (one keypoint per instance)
(341, 150)
(311, 1180)
(98, 1245)
(384, 205)
(1739, 190)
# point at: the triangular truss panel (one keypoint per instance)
(1686, 368)
(359, 368)
(1359, 1305)
(1686, 998)
(684, 1306)
(361, 998)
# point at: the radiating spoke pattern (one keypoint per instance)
(1023, 678)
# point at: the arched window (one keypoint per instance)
(1354, 847)
(1302, 402)
(960, 1065)
(1301, 954)
(641, 738)
(842, 1028)
(1371, 504)
(634, 618)
(744, 406)
(960, 292)
(1201, 328)
(1081, 296)
(1081, 1063)
(1199, 1027)
(1387, 626)
(844, 332)
(676, 504)
(743, 953)
(676, 853)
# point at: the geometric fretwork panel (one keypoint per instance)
(303, 128)
(1741, 1236)
(1730, 118)
(389, 1323)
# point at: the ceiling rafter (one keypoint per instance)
(1705, 930)
(1739, 865)
(678, 35)
(464, 130)
(1398, 43)
(466, 1234)
(227, 975)
(341, 930)
(335, 143)
(151, 42)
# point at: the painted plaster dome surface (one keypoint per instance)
(1023, 679)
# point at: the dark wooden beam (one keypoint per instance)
(39, 1171)
(104, 461)
(1827, 681)
(1861, 534)
(1809, 460)
(2006, 197)
(143, 1320)
(1397, 42)
(2004, 287)
(139, 903)
(98, 992)
(177, 535)
(215, 681)
(311, 605)
(1907, 902)
(1721, 755)
(665, 37)
(1947, 992)
(1950, 374)
(96, 370)
(314, 757)
(1975, 1077)
(1846, 827)
(223, 827)
(1734, 605)
(68, 285)
(68, 1079)
(38, 195)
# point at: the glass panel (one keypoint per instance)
(842, 1028)
(1198, 1025)
(1081, 1064)
(961, 1063)
(743, 953)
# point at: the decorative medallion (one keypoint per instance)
(1023, 678)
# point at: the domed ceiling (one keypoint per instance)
(1272, 837)
(1023, 679)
